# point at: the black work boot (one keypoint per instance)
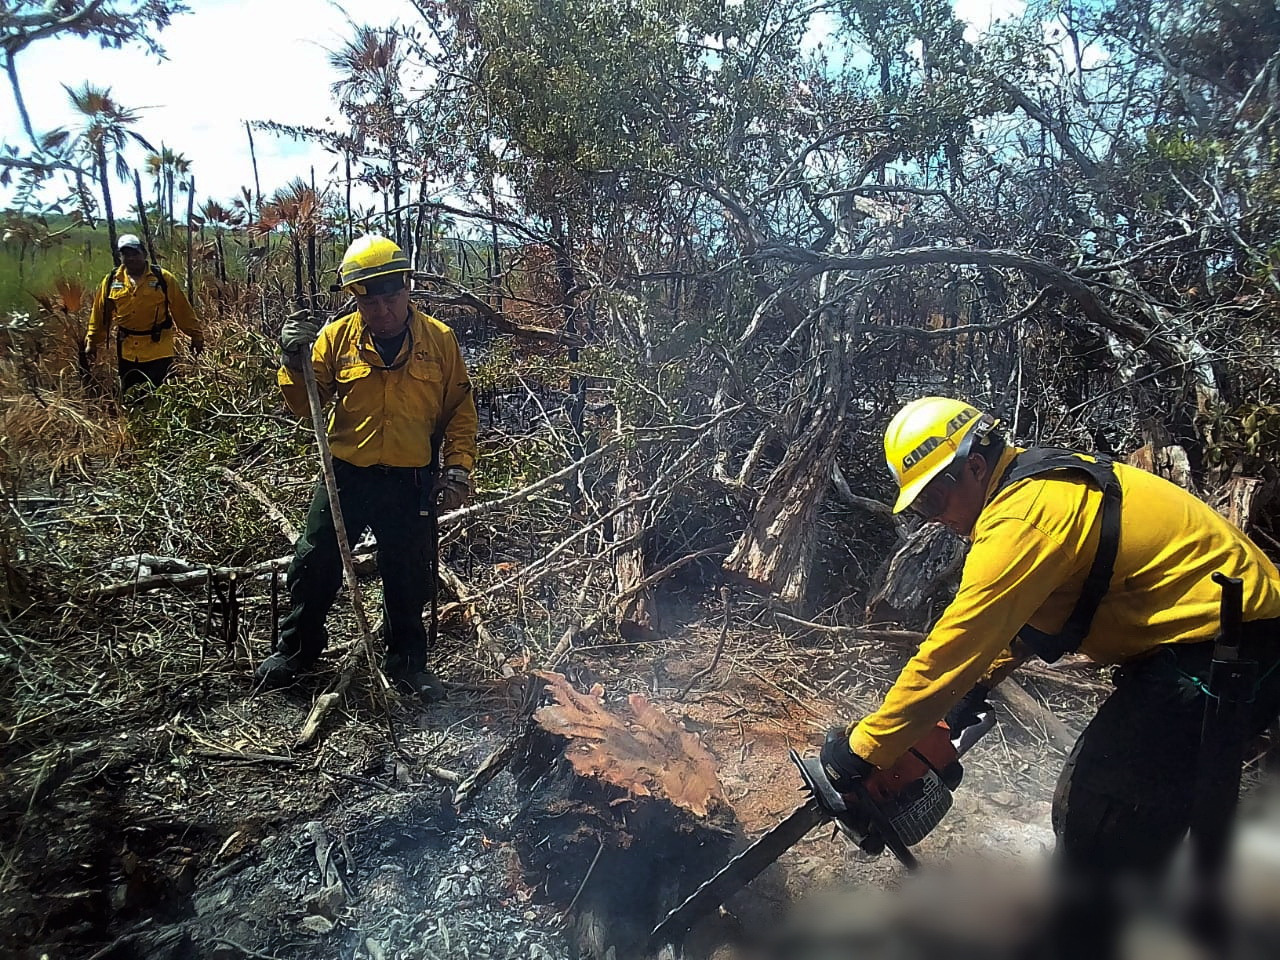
(281, 669)
(421, 683)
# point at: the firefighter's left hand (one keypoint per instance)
(843, 767)
(968, 710)
(197, 346)
(452, 488)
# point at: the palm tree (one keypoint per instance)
(165, 167)
(106, 131)
(222, 218)
(298, 208)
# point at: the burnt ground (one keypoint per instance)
(180, 822)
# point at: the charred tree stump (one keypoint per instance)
(623, 815)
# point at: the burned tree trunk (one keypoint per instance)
(623, 815)
(775, 551)
(637, 611)
(1241, 500)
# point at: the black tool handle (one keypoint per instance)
(1231, 612)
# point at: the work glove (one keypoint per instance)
(451, 489)
(968, 711)
(296, 337)
(91, 352)
(843, 767)
(197, 346)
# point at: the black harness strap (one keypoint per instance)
(158, 327)
(1040, 461)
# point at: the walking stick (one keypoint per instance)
(429, 509)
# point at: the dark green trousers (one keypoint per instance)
(139, 380)
(384, 499)
(1125, 797)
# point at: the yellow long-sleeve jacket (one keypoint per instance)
(1033, 545)
(138, 305)
(386, 413)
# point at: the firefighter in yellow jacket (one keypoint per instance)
(1072, 552)
(144, 302)
(403, 433)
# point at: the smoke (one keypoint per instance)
(1009, 905)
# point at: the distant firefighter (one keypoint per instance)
(145, 302)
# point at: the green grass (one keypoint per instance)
(82, 254)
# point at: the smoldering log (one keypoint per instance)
(623, 815)
(920, 576)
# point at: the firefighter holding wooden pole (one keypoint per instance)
(403, 436)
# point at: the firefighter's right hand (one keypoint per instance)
(296, 337)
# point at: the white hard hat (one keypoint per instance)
(128, 240)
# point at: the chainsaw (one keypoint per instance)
(893, 809)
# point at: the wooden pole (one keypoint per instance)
(142, 217)
(191, 203)
(257, 186)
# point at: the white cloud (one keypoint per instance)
(981, 15)
(228, 61)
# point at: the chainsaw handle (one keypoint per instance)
(815, 778)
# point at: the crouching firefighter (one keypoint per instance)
(1072, 552)
(145, 302)
(403, 435)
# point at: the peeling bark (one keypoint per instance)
(637, 609)
(775, 551)
(919, 575)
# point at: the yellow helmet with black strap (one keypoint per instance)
(926, 437)
(372, 262)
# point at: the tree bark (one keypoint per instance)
(1240, 499)
(637, 613)
(775, 551)
(919, 575)
(100, 155)
(142, 217)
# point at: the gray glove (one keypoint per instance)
(452, 488)
(296, 337)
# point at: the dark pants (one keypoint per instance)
(1124, 799)
(138, 380)
(385, 499)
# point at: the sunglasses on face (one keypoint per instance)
(932, 501)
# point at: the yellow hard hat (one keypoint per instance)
(369, 257)
(927, 436)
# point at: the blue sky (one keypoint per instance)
(228, 61)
